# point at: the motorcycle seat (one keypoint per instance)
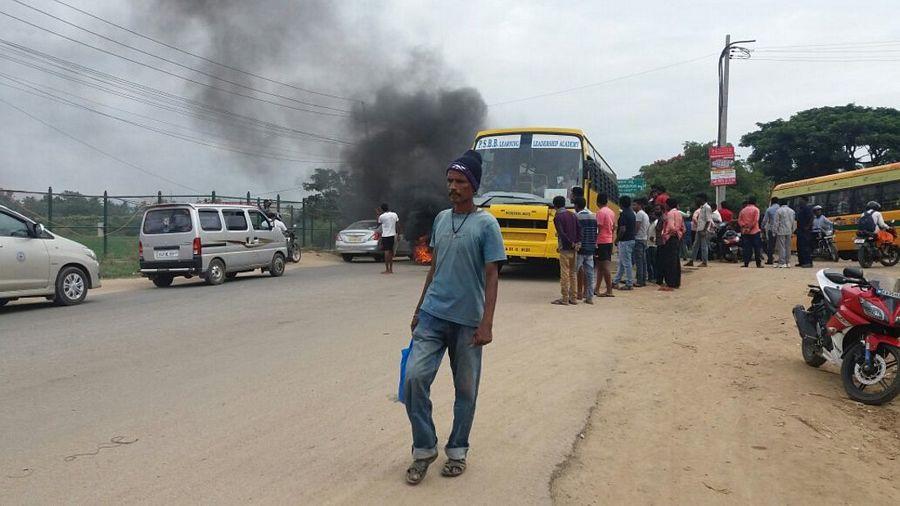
(833, 296)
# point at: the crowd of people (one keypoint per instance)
(652, 235)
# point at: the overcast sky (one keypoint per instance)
(507, 50)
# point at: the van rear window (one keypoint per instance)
(167, 221)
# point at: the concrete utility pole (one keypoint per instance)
(724, 60)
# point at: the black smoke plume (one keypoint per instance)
(407, 139)
(408, 120)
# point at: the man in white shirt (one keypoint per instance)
(785, 225)
(704, 225)
(388, 221)
(641, 235)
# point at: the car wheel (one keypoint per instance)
(163, 280)
(71, 287)
(276, 268)
(347, 258)
(215, 275)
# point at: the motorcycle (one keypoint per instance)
(825, 247)
(293, 248)
(854, 324)
(731, 244)
(878, 246)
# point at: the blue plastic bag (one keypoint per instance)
(404, 356)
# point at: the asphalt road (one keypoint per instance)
(260, 390)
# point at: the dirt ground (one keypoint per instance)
(696, 396)
(712, 403)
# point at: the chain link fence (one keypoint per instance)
(110, 224)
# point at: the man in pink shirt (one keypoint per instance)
(606, 225)
(748, 219)
(672, 232)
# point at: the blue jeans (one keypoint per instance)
(586, 262)
(639, 259)
(430, 338)
(626, 250)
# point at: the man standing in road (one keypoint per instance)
(768, 224)
(704, 226)
(587, 224)
(388, 221)
(804, 233)
(454, 313)
(785, 225)
(626, 233)
(748, 219)
(568, 242)
(641, 236)
(606, 226)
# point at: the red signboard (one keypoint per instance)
(721, 161)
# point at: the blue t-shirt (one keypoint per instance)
(456, 292)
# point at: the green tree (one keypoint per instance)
(825, 140)
(687, 174)
(330, 189)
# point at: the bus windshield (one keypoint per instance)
(545, 165)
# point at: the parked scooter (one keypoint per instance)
(854, 324)
(825, 247)
(877, 247)
(731, 242)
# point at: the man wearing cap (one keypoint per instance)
(455, 313)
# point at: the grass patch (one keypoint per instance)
(121, 254)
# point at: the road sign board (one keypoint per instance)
(721, 162)
(632, 186)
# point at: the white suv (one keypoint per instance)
(36, 263)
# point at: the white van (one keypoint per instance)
(213, 241)
(37, 263)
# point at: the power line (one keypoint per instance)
(173, 74)
(95, 148)
(36, 87)
(836, 45)
(168, 133)
(208, 60)
(826, 60)
(153, 93)
(600, 83)
(173, 62)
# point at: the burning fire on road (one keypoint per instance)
(421, 253)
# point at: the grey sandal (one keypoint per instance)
(453, 468)
(416, 471)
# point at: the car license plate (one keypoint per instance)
(166, 253)
(355, 239)
(859, 241)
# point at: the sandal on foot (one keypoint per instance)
(560, 302)
(453, 468)
(416, 471)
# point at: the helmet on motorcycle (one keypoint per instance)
(873, 205)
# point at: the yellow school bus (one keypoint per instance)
(843, 197)
(523, 169)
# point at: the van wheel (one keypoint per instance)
(347, 258)
(216, 273)
(276, 268)
(163, 280)
(71, 287)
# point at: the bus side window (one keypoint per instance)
(891, 196)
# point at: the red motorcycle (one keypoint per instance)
(855, 324)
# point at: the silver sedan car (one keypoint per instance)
(361, 239)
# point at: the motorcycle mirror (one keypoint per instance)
(853, 272)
